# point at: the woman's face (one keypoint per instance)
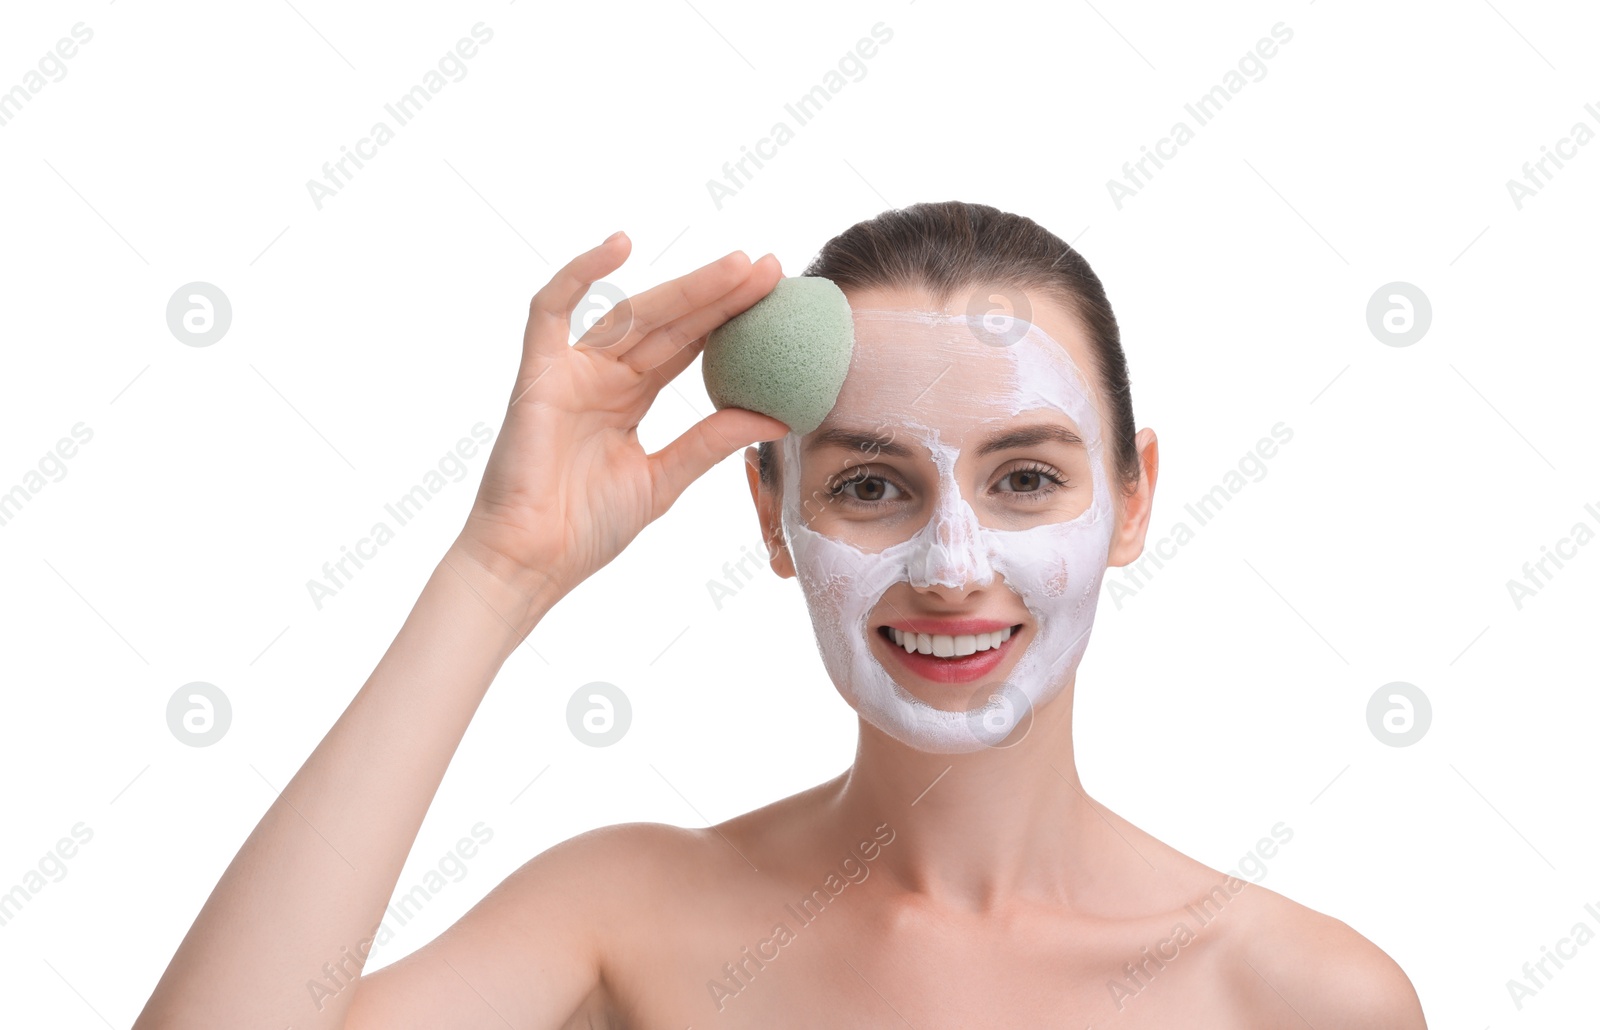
(955, 500)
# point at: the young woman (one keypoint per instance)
(949, 523)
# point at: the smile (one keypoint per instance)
(950, 658)
(944, 646)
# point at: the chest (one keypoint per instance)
(844, 969)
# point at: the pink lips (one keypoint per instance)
(951, 670)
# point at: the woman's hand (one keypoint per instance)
(567, 484)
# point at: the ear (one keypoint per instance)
(768, 511)
(1127, 542)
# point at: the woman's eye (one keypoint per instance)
(865, 489)
(1031, 480)
(862, 489)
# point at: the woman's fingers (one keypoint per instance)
(701, 446)
(699, 300)
(550, 311)
(634, 318)
(673, 346)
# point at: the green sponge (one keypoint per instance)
(786, 356)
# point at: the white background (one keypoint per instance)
(1227, 695)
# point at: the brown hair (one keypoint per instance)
(944, 247)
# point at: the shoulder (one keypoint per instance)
(623, 876)
(540, 942)
(642, 858)
(1290, 957)
(625, 859)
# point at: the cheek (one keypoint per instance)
(871, 535)
(871, 525)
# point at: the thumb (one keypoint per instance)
(701, 446)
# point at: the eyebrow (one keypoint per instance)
(1028, 436)
(1023, 436)
(856, 439)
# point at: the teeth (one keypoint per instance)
(942, 646)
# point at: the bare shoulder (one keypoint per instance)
(612, 867)
(625, 874)
(536, 950)
(1291, 957)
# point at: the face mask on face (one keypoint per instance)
(941, 383)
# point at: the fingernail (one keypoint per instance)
(613, 236)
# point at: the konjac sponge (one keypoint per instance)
(786, 356)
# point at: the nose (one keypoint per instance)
(948, 551)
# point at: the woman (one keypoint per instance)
(949, 523)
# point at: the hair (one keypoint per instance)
(941, 248)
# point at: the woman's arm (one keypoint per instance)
(566, 487)
(313, 879)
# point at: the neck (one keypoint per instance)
(972, 829)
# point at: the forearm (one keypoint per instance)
(313, 879)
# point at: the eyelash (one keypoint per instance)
(837, 492)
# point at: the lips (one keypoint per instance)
(962, 669)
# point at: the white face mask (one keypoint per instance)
(941, 384)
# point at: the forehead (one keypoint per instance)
(950, 368)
